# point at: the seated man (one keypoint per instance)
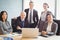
(21, 22)
(50, 27)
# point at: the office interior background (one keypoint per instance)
(14, 7)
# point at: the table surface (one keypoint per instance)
(43, 38)
(19, 37)
(14, 36)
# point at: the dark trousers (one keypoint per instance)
(32, 25)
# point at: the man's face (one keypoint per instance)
(23, 16)
(31, 5)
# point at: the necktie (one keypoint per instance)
(30, 15)
(23, 24)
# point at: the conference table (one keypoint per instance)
(19, 37)
(14, 36)
(43, 38)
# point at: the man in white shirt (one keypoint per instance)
(31, 16)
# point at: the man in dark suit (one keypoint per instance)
(50, 27)
(31, 16)
(21, 22)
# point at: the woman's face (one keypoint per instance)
(49, 18)
(4, 16)
(45, 6)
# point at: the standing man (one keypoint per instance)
(31, 16)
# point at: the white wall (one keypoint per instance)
(58, 10)
(13, 7)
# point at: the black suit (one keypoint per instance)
(20, 24)
(35, 18)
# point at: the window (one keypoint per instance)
(58, 10)
(38, 5)
(13, 8)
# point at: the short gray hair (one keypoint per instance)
(23, 13)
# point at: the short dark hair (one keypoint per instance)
(30, 2)
(46, 4)
(1, 13)
(50, 13)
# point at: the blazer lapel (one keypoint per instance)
(52, 27)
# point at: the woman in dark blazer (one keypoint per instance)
(50, 27)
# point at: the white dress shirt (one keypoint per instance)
(31, 16)
(43, 16)
(49, 27)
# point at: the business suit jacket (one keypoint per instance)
(18, 22)
(41, 23)
(35, 16)
(54, 27)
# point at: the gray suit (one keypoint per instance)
(53, 28)
(5, 27)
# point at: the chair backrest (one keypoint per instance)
(13, 23)
(58, 22)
